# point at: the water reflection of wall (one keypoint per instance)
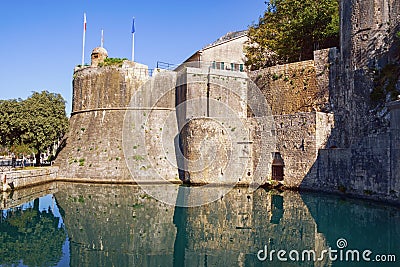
(229, 232)
(116, 226)
(122, 226)
(18, 197)
(364, 225)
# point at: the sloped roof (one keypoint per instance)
(227, 37)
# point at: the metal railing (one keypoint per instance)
(165, 65)
(9, 164)
(213, 65)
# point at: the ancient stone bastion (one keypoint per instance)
(308, 124)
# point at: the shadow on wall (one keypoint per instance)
(361, 159)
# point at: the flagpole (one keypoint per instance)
(133, 40)
(84, 38)
(102, 38)
(133, 47)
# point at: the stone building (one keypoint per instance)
(224, 54)
(223, 141)
(329, 135)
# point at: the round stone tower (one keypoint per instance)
(99, 54)
(101, 96)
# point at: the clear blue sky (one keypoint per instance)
(41, 41)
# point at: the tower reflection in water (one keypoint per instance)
(110, 225)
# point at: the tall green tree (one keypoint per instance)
(36, 122)
(291, 30)
(10, 132)
(43, 121)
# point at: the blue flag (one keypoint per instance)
(133, 26)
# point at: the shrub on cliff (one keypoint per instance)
(291, 30)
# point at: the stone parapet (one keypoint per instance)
(27, 178)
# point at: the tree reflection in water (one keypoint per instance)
(110, 225)
(31, 237)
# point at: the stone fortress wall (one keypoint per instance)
(93, 147)
(322, 127)
(367, 44)
(364, 158)
(358, 152)
(215, 122)
(299, 94)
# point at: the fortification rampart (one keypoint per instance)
(299, 137)
(296, 87)
(363, 157)
(322, 133)
(368, 43)
(101, 96)
(218, 135)
(105, 87)
(369, 168)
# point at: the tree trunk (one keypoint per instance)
(37, 156)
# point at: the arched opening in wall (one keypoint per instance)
(277, 167)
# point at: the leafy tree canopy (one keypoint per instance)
(291, 30)
(33, 123)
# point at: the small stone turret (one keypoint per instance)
(99, 54)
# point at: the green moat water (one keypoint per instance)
(105, 225)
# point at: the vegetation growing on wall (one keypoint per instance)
(112, 62)
(291, 30)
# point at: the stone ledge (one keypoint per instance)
(27, 178)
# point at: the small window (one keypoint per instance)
(214, 65)
(232, 66)
(222, 65)
(241, 68)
